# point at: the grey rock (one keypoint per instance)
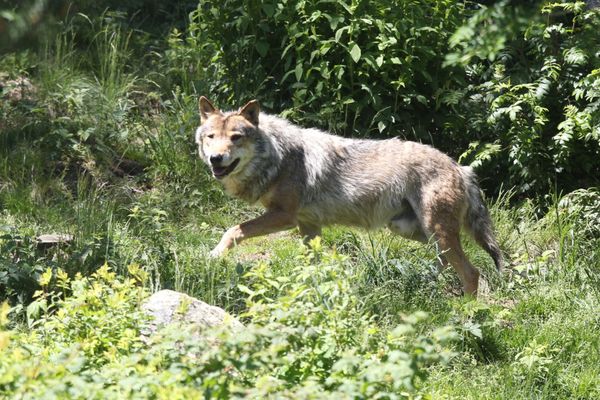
(46, 242)
(54, 238)
(168, 307)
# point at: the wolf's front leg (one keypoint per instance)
(269, 222)
(308, 231)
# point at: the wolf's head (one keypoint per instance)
(226, 140)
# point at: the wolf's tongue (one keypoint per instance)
(219, 170)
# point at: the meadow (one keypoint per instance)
(98, 107)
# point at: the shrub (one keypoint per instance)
(305, 336)
(352, 68)
(517, 93)
(21, 265)
(532, 95)
(77, 327)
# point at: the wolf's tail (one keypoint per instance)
(477, 219)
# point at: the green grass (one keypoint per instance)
(532, 333)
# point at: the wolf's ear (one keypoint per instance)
(250, 111)
(206, 109)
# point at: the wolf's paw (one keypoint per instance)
(216, 253)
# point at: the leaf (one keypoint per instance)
(339, 32)
(45, 277)
(246, 289)
(4, 310)
(268, 9)
(512, 112)
(473, 328)
(543, 88)
(334, 21)
(348, 8)
(325, 47)
(85, 134)
(575, 56)
(289, 46)
(462, 35)
(34, 310)
(355, 52)
(262, 47)
(298, 71)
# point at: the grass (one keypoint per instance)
(531, 334)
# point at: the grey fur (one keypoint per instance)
(407, 186)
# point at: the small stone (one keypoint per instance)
(46, 242)
(54, 238)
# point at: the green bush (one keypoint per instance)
(531, 101)
(509, 87)
(23, 259)
(306, 335)
(76, 328)
(354, 68)
(21, 266)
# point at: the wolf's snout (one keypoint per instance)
(215, 160)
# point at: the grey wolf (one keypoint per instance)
(307, 178)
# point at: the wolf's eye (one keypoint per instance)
(210, 135)
(235, 137)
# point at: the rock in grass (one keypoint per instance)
(44, 242)
(168, 306)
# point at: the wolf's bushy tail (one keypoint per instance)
(477, 219)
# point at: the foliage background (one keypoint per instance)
(508, 87)
(98, 104)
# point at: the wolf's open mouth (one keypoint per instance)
(221, 172)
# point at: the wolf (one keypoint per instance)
(309, 179)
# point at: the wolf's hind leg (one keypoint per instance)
(308, 231)
(409, 226)
(446, 232)
(468, 275)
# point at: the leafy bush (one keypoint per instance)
(96, 323)
(77, 121)
(531, 97)
(354, 68)
(513, 89)
(23, 259)
(583, 206)
(21, 266)
(323, 338)
(306, 336)
(519, 86)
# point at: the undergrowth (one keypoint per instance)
(96, 141)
